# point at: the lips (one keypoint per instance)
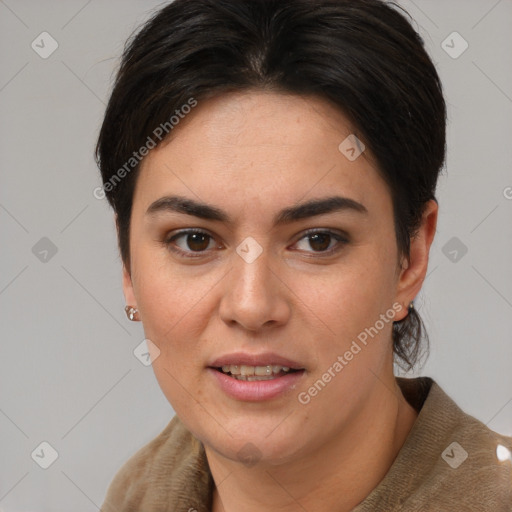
(255, 388)
(255, 360)
(256, 377)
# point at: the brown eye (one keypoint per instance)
(325, 242)
(189, 242)
(198, 241)
(319, 241)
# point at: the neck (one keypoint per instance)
(338, 476)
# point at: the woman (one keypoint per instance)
(272, 166)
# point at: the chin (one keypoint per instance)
(254, 442)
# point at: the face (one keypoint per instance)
(257, 246)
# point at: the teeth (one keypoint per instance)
(234, 369)
(262, 371)
(252, 378)
(245, 372)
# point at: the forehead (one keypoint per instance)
(266, 148)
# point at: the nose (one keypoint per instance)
(254, 296)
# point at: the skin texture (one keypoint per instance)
(252, 154)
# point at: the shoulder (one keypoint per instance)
(158, 474)
(467, 465)
(449, 461)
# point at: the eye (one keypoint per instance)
(191, 241)
(321, 242)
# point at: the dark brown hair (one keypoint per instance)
(363, 56)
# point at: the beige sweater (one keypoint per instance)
(448, 463)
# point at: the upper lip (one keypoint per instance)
(264, 359)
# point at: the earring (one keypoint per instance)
(132, 313)
(411, 306)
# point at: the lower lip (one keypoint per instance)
(256, 390)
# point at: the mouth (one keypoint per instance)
(256, 377)
(256, 373)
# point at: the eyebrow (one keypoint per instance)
(178, 204)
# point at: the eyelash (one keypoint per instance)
(340, 239)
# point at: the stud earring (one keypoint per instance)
(411, 306)
(132, 313)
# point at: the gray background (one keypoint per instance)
(68, 373)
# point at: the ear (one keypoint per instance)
(414, 271)
(129, 295)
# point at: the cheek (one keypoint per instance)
(167, 293)
(354, 296)
(175, 308)
(175, 316)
